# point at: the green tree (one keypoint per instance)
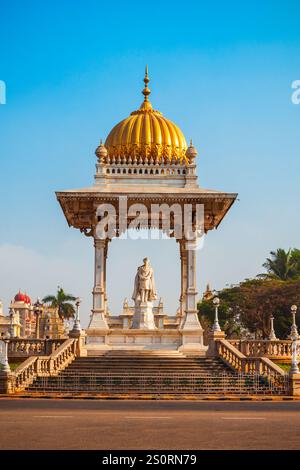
(283, 264)
(62, 302)
(253, 302)
(226, 314)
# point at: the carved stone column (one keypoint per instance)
(183, 263)
(105, 264)
(192, 332)
(191, 318)
(98, 319)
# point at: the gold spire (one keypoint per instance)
(146, 92)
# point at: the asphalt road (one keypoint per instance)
(79, 424)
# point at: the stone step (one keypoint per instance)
(137, 371)
(153, 363)
(145, 368)
(111, 360)
(142, 372)
(150, 363)
(133, 375)
(153, 390)
(145, 352)
(145, 371)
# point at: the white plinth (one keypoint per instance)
(143, 318)
(98, 321)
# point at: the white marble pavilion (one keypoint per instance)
(145, 160)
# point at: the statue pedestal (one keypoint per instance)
(98, 321)
(143, 318)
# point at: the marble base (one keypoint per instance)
(192, 342)
(143, 318)
(99, 341)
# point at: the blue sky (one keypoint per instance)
(222, 71)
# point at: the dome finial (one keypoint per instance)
(146, 91)
(101, 152)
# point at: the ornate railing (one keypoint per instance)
(23, 347)
(230, 355)
(25, 373)
(238, 362)
(278, 349)
(45, 366)
(59, 360)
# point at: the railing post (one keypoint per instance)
(294, 384)
(294, 375)
(258, 366)
(7, 383)
(213, 342)
(51, 366)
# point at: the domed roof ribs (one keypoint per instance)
(147, 134)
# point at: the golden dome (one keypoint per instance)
(146, 134)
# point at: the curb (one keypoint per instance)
(273, 398)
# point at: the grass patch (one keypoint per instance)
(285, 367)
(14, 365)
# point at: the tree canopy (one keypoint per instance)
(248, 306)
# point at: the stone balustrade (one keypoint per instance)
(249, 365)
(44, 366)
(63, 356)
(277, 349)
(230, 355)
(273, 371)
(23, 347)
(25, 374)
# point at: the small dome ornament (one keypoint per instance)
(191, 153)
(101, 152)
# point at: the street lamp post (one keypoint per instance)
(216, 326)
(11, 323)
(294, 330)
(272, 335)
(76, 326)
(38, 310)
(5, 364)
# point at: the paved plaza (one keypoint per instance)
(85, 424)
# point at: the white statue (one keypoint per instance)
(144, 285)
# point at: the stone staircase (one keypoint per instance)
(147, 372)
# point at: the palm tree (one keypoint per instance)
(282, 265)
(62, 301)
(296, 259)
